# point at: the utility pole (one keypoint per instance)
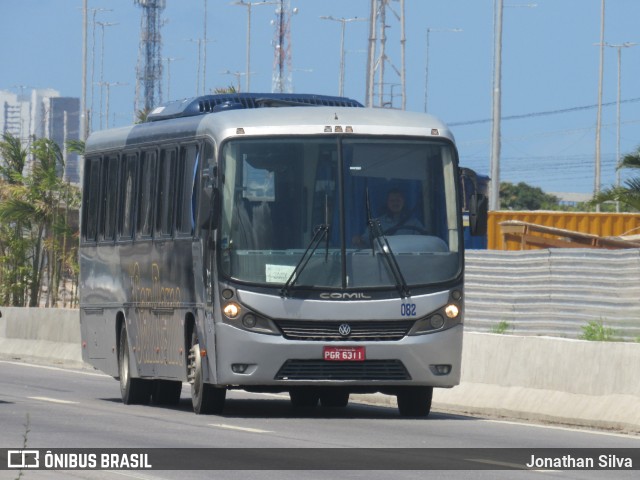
(149, 68)
(282, 80)
(596, 186)
(378, 58)
(83, 99)
(494, 195)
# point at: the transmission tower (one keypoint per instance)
(381, 93)
(282, 80)
(149, 68)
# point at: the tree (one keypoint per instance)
(223, 90)
(525, 197)
(34, 217)
(13, 246)
(629, 194)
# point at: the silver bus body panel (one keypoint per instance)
(314, 120)
(274, 306)
(266, 354)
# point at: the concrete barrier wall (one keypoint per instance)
(50, 335)
(548, 379)
(533, 378)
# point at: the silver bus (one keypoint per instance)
(274, 243)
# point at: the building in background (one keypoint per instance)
(43, 114)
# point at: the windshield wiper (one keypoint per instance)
(321, 231)
(377, 235)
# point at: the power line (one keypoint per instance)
(541, 114)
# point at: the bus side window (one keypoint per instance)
(166, 193)
(109, 198)
(91, 203)
(128, 195)
(147, 194)
(187, 191)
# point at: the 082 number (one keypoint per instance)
(408, 309)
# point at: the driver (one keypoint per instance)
(396, 219)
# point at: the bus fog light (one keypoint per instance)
(440, 369)
(437, 321)
(239, 367)
(249, 320)
(231, 310)
(451, 311)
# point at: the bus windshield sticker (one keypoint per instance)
(278, 273)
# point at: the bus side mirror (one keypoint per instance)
(478, 214)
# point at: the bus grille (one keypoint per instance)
(323, 331)
(321, 370)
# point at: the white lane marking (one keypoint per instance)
(273, 395)
(240, 429)
(53, 400)
(67, 370)
(133, 475)
(630, 436)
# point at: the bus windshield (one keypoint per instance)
(347, 204)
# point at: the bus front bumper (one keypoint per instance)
(249, 359)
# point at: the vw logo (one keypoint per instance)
(344, 329)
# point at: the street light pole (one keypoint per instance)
(344, 22)
(426, 70)
(619, 47)
(242, 3)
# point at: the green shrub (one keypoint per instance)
(596, 331)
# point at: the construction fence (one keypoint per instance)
(553, 292)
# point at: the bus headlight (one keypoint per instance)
(451, 310)
(243, 318)
(231, 310)
(442, 319)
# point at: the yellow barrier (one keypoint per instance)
(600, 224)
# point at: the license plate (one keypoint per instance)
(344, 354)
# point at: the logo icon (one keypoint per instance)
(23, 458)
(344, 329)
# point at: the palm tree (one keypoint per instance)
(34, 224)
(14, 247)
(629, 194)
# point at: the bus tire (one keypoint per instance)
(304, 397)
(205, 397)
(166, 392)
(334, 397)
(414, 401)
(132, 390)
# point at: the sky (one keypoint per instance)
(550, 66)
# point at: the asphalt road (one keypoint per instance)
(62, 408)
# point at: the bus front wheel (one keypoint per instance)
(414, 401)
(205, 397)
(132, 390)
